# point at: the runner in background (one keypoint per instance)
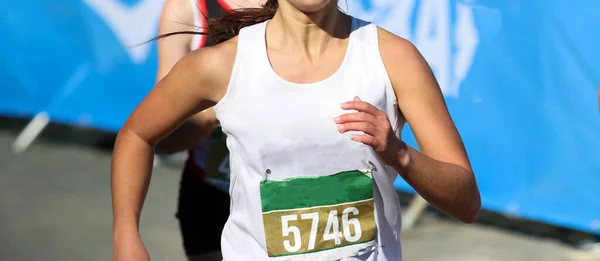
(204, 182)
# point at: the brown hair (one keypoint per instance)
(227, 25)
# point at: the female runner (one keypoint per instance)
(312, 102)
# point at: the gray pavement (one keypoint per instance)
(55, 205)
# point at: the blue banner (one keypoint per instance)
(77, 60)
(520, 80)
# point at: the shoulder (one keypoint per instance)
(397, 50)
(401, 58)
(208, 68)
(217, 58)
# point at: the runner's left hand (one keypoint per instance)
(375, 125)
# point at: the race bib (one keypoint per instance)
(319, 218)
(217, 164)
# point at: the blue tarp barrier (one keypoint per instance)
(76, 59)
(520, 79)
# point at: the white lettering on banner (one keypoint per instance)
(131, 25)
(448, 47)
(432, 37)
(465, 42)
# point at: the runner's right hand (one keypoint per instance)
(129, 248)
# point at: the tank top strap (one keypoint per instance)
(249, 54)
(252, 46)
(364, 32)
(252, 38)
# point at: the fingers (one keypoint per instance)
(358, 121)
(368, 119)
(365, 139)
(361, 106)
(353, 117)
(365, 127)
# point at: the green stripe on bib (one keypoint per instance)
(303, 192)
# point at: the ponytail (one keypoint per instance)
(229, 23)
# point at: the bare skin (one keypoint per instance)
(312, 35)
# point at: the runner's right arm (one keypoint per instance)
(189, 88)
(177, 16)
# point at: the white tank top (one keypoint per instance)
(300, 190)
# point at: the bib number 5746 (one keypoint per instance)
(293, 243)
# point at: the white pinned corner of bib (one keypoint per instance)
(368, 169)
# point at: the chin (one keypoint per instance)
(310, 6)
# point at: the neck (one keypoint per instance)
(309, 33)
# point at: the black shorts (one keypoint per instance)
(202, 212)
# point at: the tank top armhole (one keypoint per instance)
(389, 92)
(231, 83)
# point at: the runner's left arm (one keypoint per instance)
(440, 172)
